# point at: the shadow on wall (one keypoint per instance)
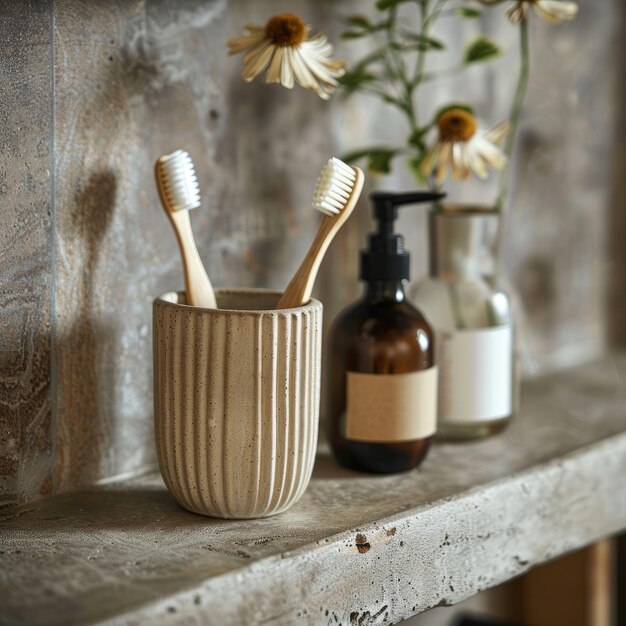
(85, 350)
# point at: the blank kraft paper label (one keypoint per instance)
(391, 407)
(475, 374)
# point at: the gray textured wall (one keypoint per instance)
(26, 251)
(132, 80)
(93, 91)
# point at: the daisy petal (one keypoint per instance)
(319, 39)
(555, 11)
(444, 160)
(466, 162)
(301, 69)
(489, 153)
(517, 12)
(274, 69)
(239, 44)
(303, 74)
(324, 51)
(430, 160)
(458, 161)
(325, 69)
(286, 71)
(257, 61)
(321, 45)
(318, 69)
(497, 133)
(255, 51)
(337, 67)
(478, 165)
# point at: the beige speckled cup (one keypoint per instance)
(236, 401)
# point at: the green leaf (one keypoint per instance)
(354, 34)
(415, 167)
(481, 49)
(390, 99)
(356, 155)
(359, 21)
(383, 5)
(352, 80)
(468, 12)
(416, 138)
(378, 159)
(423, 42)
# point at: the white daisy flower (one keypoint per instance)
(553, 11)
(462, 148)
(284, 47)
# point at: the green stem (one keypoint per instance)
(421, 54)
(455, 303)
(387, 59)
(516, 110)
(437, 12)
(406, 97)
(383, 96)
(410, 84)
(395, 55)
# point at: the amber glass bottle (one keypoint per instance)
(382, 377)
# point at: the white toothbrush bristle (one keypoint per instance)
(334, 187)
(179, 182)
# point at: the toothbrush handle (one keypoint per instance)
(298, 291)
(197, 284)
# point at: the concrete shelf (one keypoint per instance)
(357, 549)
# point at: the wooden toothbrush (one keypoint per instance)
(336, 193)
(179, 192)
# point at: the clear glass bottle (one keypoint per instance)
(471, 316)
(382, 377)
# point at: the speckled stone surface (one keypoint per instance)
(356, 549)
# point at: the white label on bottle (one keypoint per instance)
(475, 374)
(391, 407)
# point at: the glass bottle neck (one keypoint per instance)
(385, 290)
(459, 248)
(452, 268)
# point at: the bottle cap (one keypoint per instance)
(385, 258)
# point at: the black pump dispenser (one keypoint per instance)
(386, 259)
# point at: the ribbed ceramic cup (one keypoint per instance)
(236, 395)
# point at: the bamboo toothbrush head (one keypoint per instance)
(335, 186)
(336, 193)
(177, 181)
(179, 191)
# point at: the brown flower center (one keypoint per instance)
(456, 125)
(286, 29)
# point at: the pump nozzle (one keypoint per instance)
(386, 258)
(386, 203)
